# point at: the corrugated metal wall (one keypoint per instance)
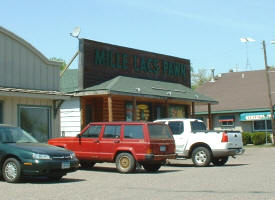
(20, 67)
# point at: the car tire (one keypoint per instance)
(201, 156)
(11, 170)
(85, 164)
(125, 163)
(151, 167)
(220, 161)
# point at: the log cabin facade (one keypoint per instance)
(114, 83)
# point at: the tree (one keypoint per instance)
(63, 65)
(199, 78)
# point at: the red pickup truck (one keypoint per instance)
(125, 143)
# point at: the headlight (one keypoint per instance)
(41, 156)
(72, 155)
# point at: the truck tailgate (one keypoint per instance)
(235, 139)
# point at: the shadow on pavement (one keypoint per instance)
(138, 171)
(45, 180)
(192, 165)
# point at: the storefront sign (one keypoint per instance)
(115, 60)
(255, 116)
(101, 62)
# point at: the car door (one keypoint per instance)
(109, 141)
(88, 145)
(177, 128)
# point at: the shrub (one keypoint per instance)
(258, 138)
(246, 138)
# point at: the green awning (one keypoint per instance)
(146, 88)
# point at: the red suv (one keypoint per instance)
(125, 143)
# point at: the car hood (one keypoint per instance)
(41, 148)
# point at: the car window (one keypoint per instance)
(92, 132)
(112, 131)
(198, 126)
(133, 131)
(159, 131)
(176, 127)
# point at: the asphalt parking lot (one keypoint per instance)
(250, 176)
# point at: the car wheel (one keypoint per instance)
(86, 164)
(125, 163)
(220, 161)
(11, 170)
(151, 167)
(201, 156)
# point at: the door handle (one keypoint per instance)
(97, 141)
(116, 141)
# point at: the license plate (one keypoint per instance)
(162, 148)
(65, 165)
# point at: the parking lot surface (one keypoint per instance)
(250, 176)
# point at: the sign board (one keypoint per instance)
(100, 62)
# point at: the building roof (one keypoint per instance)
(238, 92)
(147, 88)
(69, 81)
(29, 46)
(21, 92)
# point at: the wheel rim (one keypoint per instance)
(201, 157)
(11, 170)
(124, 162)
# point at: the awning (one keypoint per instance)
(129, 86)
(255, 116)
(227, 118)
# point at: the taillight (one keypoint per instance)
(149, 151)
(224, 137)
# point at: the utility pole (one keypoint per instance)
(269, 93)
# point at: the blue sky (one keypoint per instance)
(207, 32)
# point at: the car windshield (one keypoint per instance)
(15, 135)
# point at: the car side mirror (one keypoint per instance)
(79, 137)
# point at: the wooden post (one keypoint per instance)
(166, 108)
(110, 108)
(269, 92)
(134, 109)
(193, 110)
(210, 122)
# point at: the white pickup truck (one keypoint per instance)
(194, 141)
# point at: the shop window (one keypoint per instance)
(36, 121)
(176, 111)
(129, 112)
(227, 120)
(262, 125)
(143, 112)
(227, 123)
(1, 112)
(133, 132)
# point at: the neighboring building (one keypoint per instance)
(114, 83)
(29, 85)
(243, 101)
